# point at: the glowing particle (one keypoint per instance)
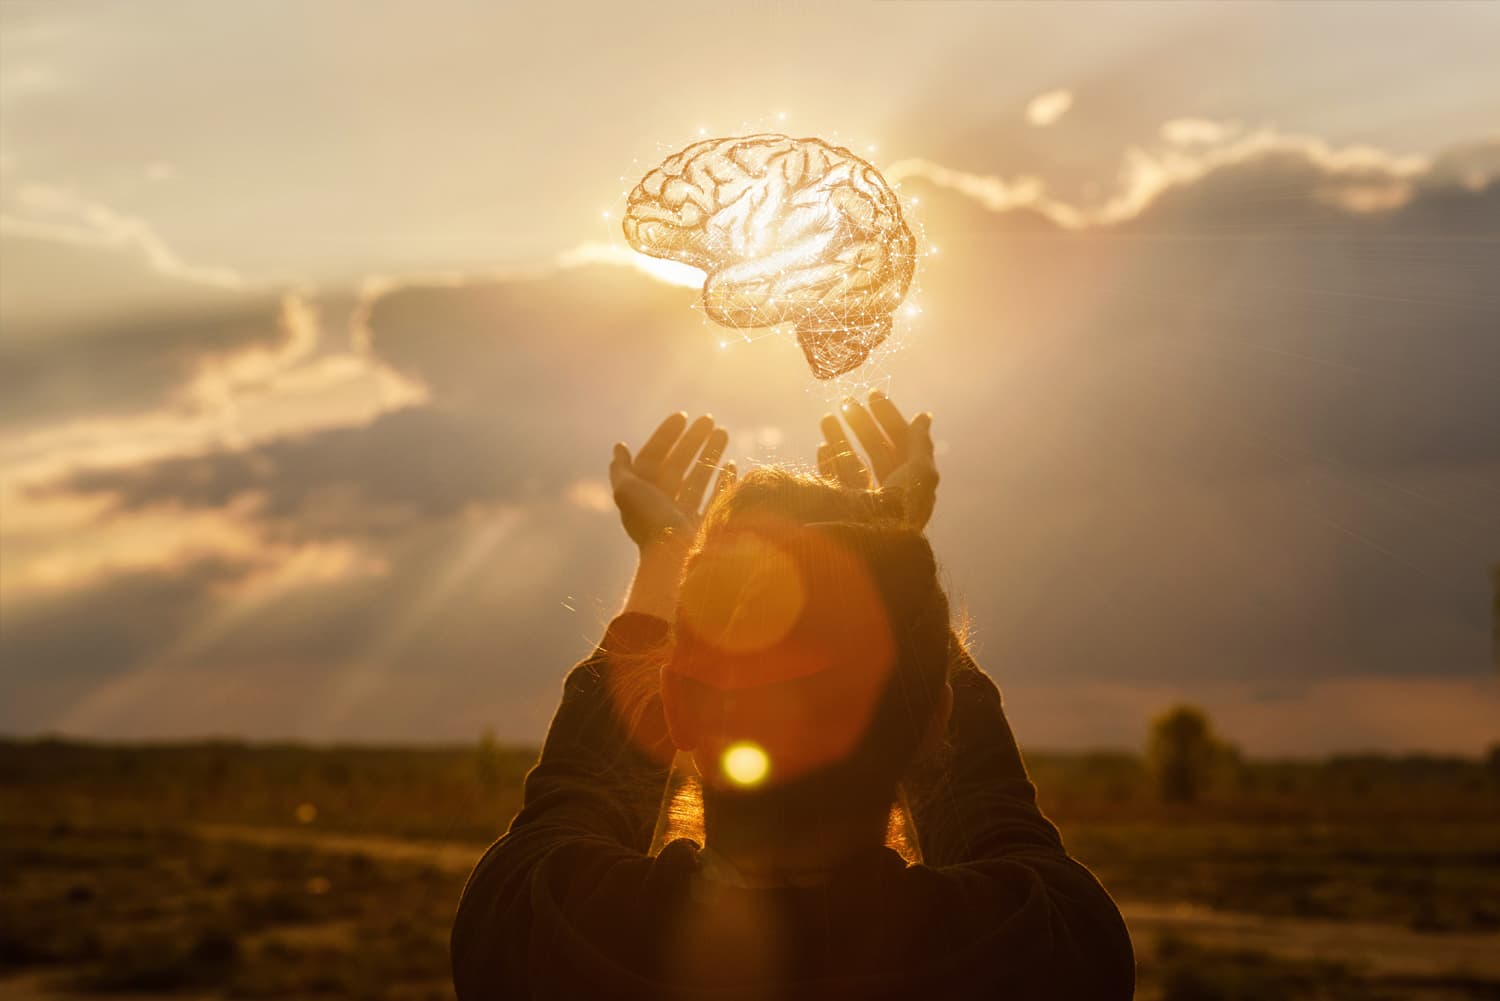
(306, 813)
(319, 885)
(789, 231)
(745, 764)
(723, 344)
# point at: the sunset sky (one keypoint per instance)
(316, 327)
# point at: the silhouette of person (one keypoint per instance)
(792, 639)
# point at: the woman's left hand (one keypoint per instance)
(660, 490)
(901, 454)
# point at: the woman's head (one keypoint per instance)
(809, 664)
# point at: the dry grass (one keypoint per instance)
(233, 871)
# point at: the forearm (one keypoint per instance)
(606, 756)
(658, 577)
(608, 741)
(598, 784)
(974, 799)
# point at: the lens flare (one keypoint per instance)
(745, 764)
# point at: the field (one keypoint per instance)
(256, 871)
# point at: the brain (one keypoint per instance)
(789, 231)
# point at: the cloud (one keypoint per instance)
(145, 329)
(1197, 131)
(1048, 107)
(107, 368)
(105, 546)
(151, 363)
(49, 212)
(1188, 457)
(1347, 180)
(997, 194)
(407, 465)
(670, 272)
(1280, 176)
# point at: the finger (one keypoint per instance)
(921, 434)
(882, 455)
(669, 476)
(690, 497)
(648, 460)
(619, 465)
(891, 421)
(848, 467)
(727, 477)
(826, 466)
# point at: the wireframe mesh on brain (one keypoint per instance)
(789, 231)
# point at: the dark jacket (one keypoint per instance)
(569, 905)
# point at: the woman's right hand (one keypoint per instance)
(900, 454)
(660, 490)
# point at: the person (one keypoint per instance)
(791, 638)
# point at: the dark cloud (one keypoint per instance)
(420, 463)
(1249, 312)
(1287, 192)
(94, 331)
(504, 345)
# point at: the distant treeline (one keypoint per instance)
(470, 792)
(1417, 786)
(453, 792)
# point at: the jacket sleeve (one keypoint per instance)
(599, 780)
(974, 806)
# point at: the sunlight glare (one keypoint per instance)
(745, 764)
(671, 272)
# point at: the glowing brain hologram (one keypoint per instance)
(789, 231)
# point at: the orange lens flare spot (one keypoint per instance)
(745, 764)
(743, 597)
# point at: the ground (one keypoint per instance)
(226, 871)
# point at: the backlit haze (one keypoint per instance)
(316, 326)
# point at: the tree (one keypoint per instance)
(1183, 753)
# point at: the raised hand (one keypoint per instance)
(900, 454)
(660, 490)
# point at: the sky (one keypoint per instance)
(316, 327)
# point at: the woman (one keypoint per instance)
(794, 641)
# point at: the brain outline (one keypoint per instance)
(788, 231)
